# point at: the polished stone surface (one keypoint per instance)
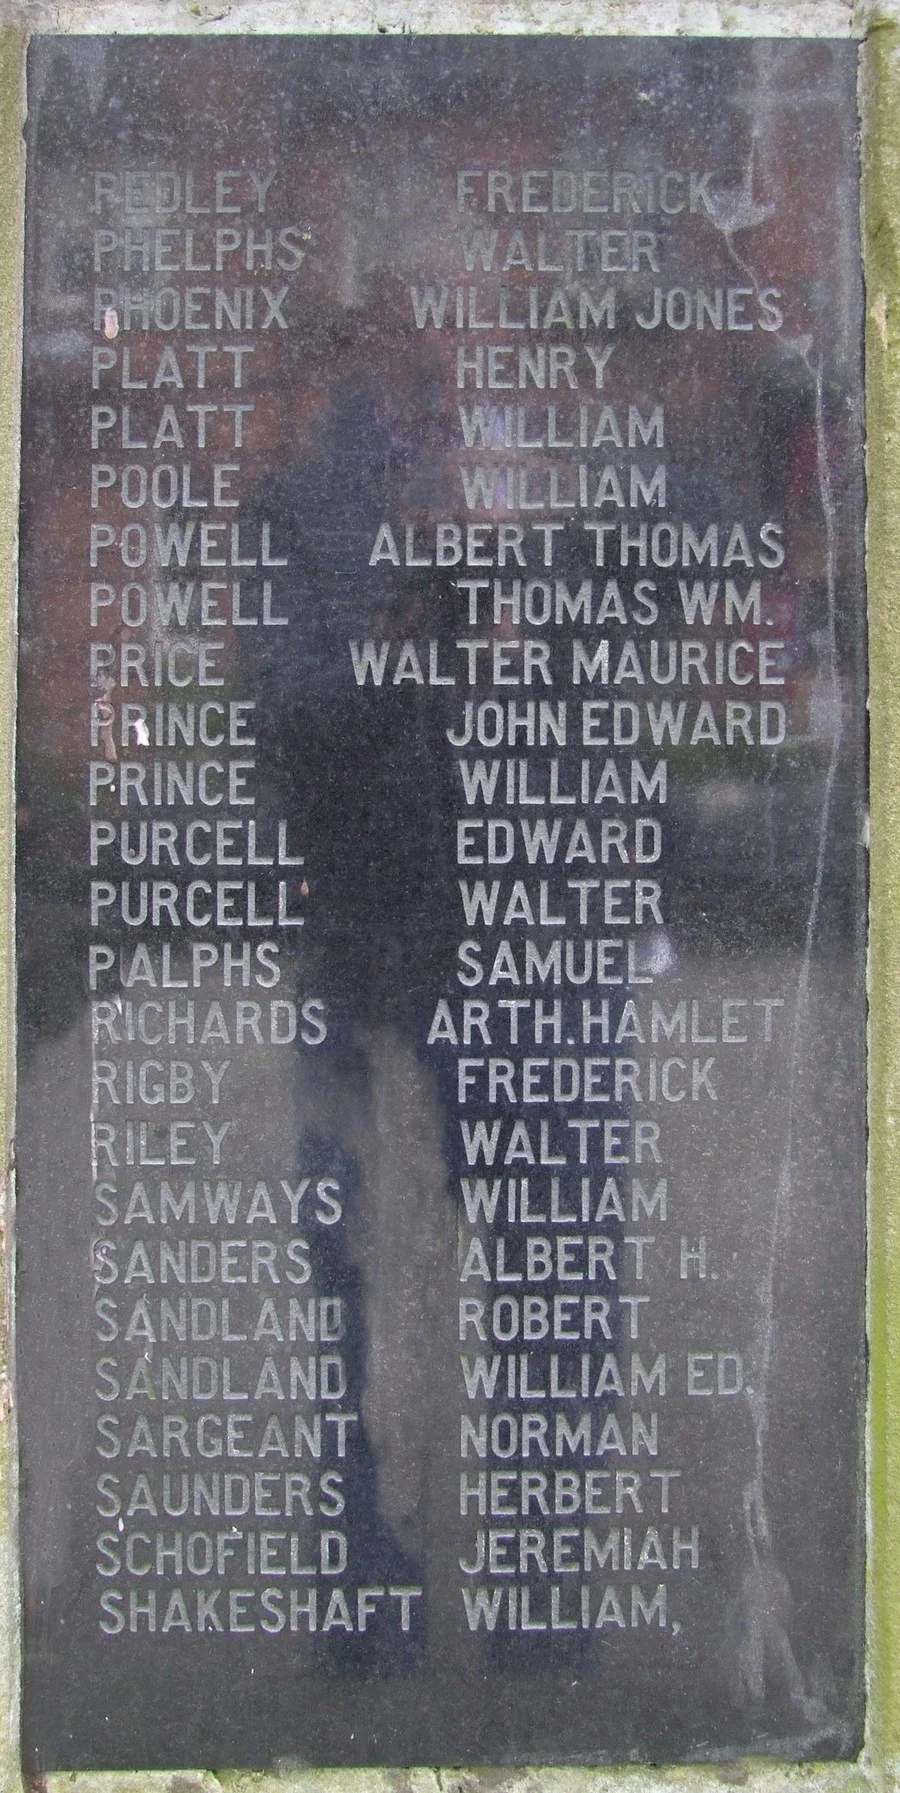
(441, 902)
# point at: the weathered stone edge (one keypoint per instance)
(12, 210)
(695, 18)
(880, 91)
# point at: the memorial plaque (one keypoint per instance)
(441, 902)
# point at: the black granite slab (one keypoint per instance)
(441, 902)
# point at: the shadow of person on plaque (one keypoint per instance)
(362, 780)
(370, 789)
